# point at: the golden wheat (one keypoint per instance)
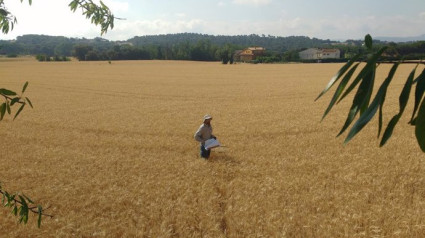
(110, 149)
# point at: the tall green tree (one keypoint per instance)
(80, 51)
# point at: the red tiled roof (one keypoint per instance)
(330, 50)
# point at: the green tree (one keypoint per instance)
(22, 205)
(92, 55)
(363, 104)
(291, 56)
(80, 51)
(63, 49)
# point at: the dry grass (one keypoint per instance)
(110, 148)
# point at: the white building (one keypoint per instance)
(315, 54)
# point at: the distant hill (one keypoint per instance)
(271, 43)
(192, 46)
(401, 39)
(51, 45)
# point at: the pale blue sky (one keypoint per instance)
(325, 19)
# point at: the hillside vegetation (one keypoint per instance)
(190, 46)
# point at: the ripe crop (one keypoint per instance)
(110, 148)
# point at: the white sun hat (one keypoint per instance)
(207, 117)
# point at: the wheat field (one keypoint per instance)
(109, 149)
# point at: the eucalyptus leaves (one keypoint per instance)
(365, 80)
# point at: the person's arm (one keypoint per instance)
(198, 135)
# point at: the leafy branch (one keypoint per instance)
(362, 104)
(10, 99)
(99, 14)
(21, 206)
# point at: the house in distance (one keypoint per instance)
(318, 54)
(249, 54)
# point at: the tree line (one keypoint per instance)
(201, 51)
(191, 46)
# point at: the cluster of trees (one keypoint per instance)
(43, 45)
(271, 43)
(271, 57)
(411, 51)
(191, 46)
(394, 51)
(184, 46)
(48, 58)
(202, 50)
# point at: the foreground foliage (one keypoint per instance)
(98, 14)
(362, 104)
(21, 206)
(11, 99)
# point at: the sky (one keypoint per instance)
(323, 19)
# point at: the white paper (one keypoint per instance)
(211, 143)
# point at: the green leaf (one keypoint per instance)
(14, 100)
(2, 111)
(366, 93)
(340, 89)
(40, 213)
(26, 216)
(23, 201)
(420, 126)
(371, 65)
(405, 93)
(3, 12)
(351, 114)
(104, 6)
(368, 41)
(29, 102)
(15, 210)
(73, 5)
(111, 22)
(373, 107)
(28, 199)
(403, 99)
(339, 74)
(19, 111)
(25, 87)
(7, 92)
(380, 122)
(419, 92)
(389, 130)
(361, 98)
(7, 203)
(8, 107)
(24, 210)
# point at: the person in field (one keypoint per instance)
(205, 133)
